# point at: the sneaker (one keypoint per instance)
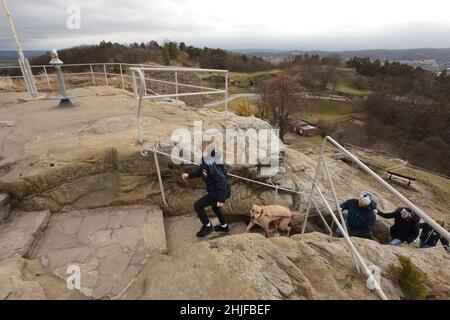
(219, 228)
(204, 231)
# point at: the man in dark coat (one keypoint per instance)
(360, 216)
(217, 187)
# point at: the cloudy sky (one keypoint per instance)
(234, 24)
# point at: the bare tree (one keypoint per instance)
(280, 97)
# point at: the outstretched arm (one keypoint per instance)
(389, 215)
(195, 173)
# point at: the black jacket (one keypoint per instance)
(216, 179)
(430, 237)
(402, 229)
(360, 220)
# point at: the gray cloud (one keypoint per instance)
(42, 25)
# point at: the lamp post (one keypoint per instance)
(64, 98)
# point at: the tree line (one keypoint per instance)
(166, 54)
(314, 72)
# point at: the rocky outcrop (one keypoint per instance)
(19, 235)
(108, 245)
(310, 266)
(22, 279)
(5, 207)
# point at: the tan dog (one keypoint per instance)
(264, 215)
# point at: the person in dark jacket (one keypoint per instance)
(429, 237)
(405, 227)
(360, 216)
(217, 187)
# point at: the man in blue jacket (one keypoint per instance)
(360, 216)
(217, 187)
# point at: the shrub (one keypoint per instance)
(245, 109)
(410, 279)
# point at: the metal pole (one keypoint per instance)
(316, 176)
(176, 86)
(92, 74)
(106, 76)
(138, 99)
(323, 218)
(338, 207)
(226, 95)
(23, 62)
(121, 75)
(65, 100)
(397, 194)
(46, 77)
(353, 249)
(161, 187)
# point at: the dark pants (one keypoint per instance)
(208, 201)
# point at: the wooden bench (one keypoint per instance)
(402, 176)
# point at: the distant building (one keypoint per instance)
(304, 128)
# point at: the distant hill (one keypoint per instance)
(441, 56)
(9, 57)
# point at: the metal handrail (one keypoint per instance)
(341, 224)
(355, 254)
(141, 94)
(444, 233)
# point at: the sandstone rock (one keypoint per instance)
(18, 236)
(26, 279)
(310, 266)
(109, 245)
(4, 207)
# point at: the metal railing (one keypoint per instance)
(94, 71)
(358, 259)
(337, 219)
(341, 224)
(141, 93)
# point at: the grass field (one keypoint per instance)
(260, 74)
(334, 111)
(298, 142)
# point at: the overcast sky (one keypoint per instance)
(234, 24)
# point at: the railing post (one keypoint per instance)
(176, 86)
(138, 98)
(338, 207)
(323, 218)
(92, 74)
(316, 177)
(106, 76)
(357, 257)
(46, 77)
(121, 75)
(158, 171)
(226, 95)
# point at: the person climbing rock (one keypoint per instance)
(217, 187)
(405, 227)
(360, 216)
(429, 237)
